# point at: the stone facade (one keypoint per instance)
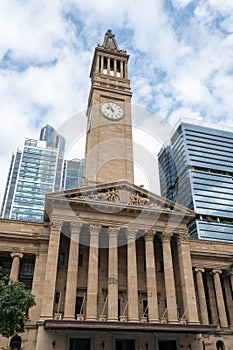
(121, 277)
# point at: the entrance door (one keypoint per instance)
(80, 344)
(167, 345)
(125, 344)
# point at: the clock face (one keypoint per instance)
(112, 110)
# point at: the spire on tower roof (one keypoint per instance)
(110, 41)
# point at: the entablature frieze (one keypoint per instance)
(27, 239)
(211, 259)
(23, 250)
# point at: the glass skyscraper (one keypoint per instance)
(34, 171)
(73, 173)
(38, 169)
(196, 170)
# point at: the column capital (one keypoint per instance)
(19, 255)
(56, 224)
(182, 237)
(216, 271)
(95, 230)
(165, 236)
(131, 233)
(113, 231)
(198, 269)
(149, 235)
(75, 226)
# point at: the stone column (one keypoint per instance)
(126, 70)
(72, 272)
(51, 270)
(169, 277)
(115, 68)
(121, 68)
(14, 274)
(132, 281)
(229, 300)
(201, 296)
(113, 274)
(101, 64)
(151, 278)
(186, 277)
(92, 281)
(231, 279)
(108, 63)
(37, 284)
(213, 314)
(219, 298)
(97, 67)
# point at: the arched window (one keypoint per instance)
(16, 342)
(220, 345)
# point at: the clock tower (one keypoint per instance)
(109, 152)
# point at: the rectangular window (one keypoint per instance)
(80, 260)
(145, 307)
(79, 305)
(61, 259)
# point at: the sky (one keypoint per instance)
(181, 61)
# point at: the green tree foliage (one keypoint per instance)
(15, 301)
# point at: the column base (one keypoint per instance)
(113, 319)
(133, 320)
(91, 319)
(193, 322)
(172, 321)
(153, 321)
(69, 318)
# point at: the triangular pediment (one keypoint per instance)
(121, 193)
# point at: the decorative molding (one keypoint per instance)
(111, 195)
(165, 236)
(113, 231)
(75, 227)
(137, 200)
(149, 235)
(18, 255)
(216, 272)
(56, 224)
(131, 233)
(95, 230)
(182, 237)
(198, 269)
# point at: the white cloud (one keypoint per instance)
(181, 3)
(181, 61)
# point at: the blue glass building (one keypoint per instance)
(34, 171)
(38, 169)
(196, 170)
(73, 173)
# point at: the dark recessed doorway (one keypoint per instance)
(125, 344)
(167, 345)
(80, 344)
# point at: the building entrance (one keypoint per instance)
(167, 345)
(125, 344)
(80, 344)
